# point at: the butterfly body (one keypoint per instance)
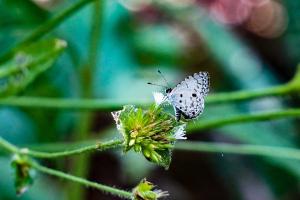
(187, 97)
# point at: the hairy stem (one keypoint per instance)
(112, 144)
(114, 191)
(259, 150)
(113, 104)
(98, 146)
(292, 87)
(242, 118)
(280, 90)
(89, 148)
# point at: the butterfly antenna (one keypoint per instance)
(163, 78)
(156, 84)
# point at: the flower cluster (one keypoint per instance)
(145, 191)
(152, 132)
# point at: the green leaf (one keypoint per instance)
(27, 63)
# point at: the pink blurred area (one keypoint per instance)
(265, 18)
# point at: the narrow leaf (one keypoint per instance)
(27, 63)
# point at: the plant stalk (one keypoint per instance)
(242, 118)
(111, 190)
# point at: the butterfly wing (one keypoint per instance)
(188, 96)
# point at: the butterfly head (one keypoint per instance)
(168, 90)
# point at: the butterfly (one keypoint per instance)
(187, 97)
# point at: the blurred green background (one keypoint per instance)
(115, 48)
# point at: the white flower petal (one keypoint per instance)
(116, 116)
(161, 193)
(159, 98)
(180, 133)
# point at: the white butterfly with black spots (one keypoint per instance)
(187, 97)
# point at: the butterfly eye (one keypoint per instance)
(168, 90)
(194, 95)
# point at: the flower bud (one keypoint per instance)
(145, 191)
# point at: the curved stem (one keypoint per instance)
(114, 191)
(49, 155)
(85, 149)
(8, 146)
(47, 26)
(283, 152)
(258, 150)
(291, 87)
(114, 104)
(243, 118)
(108, 189)
(226, 97)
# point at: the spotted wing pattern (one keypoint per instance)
(188, 96)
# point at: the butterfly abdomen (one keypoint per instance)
(177, 114)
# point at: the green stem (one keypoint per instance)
(51, 155)
(95, 147)
(112, 144)
(292, 87)
(226, 97)
(289, 88)
(47, 27)
(113, 104)
(81, 104)
(8, 146)
(81, 163)
(281, 152)
(104, 188)
(243, 118)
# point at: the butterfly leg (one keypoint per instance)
(177, 114)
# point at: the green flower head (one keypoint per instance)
(152, 132)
